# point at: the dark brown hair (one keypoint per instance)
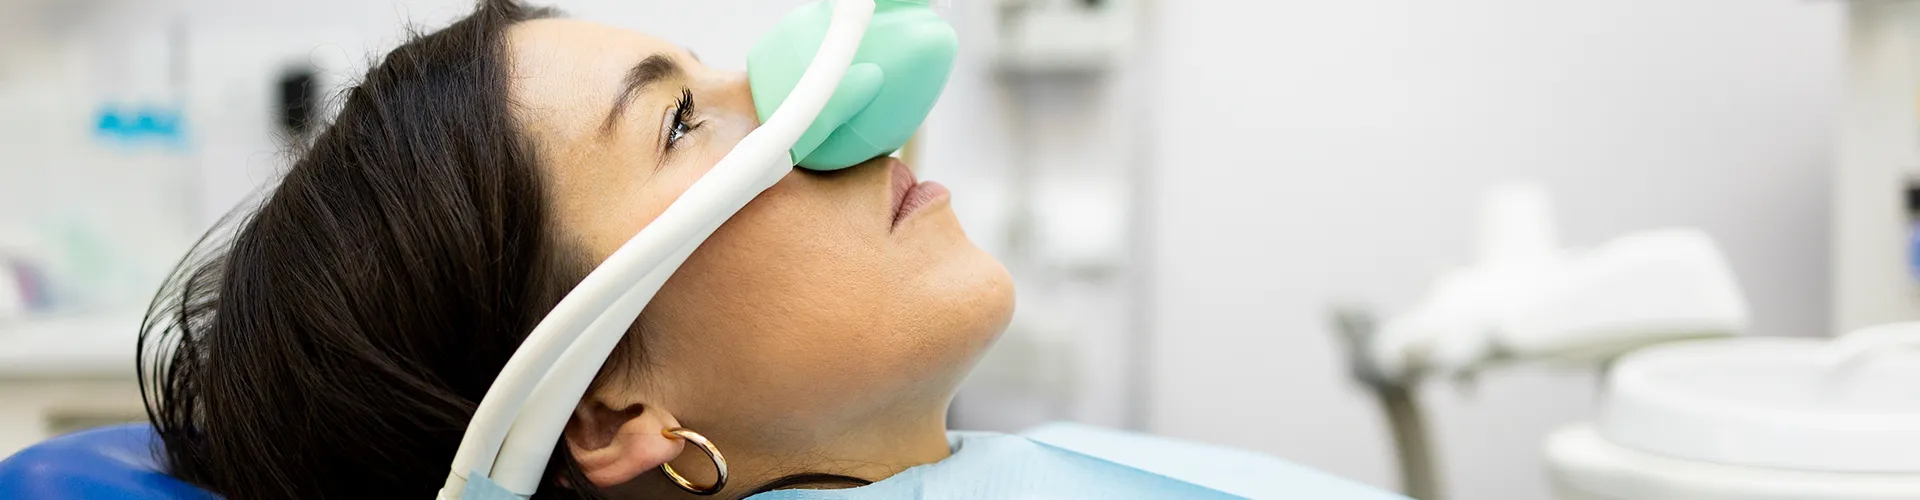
(336, 343)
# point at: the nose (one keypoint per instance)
(735, 93)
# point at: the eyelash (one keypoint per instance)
(682, 118)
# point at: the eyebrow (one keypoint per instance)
(649, 71)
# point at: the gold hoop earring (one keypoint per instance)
(705, 446)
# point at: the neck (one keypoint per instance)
(869, 453)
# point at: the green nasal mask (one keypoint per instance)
(897, 74)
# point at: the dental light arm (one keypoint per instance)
(516, 425)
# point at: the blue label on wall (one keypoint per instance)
(1913, 250)
(140, 123)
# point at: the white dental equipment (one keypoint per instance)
(1753, 418)
(1526, 299)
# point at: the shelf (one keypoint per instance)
(100, 346)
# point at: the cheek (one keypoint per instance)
(797, 303)
(613, 201)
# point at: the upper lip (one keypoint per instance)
(903, 183)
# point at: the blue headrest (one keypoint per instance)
(108, 462)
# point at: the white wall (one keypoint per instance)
(1309, 152)
(1299, 153)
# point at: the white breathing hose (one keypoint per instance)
(513, 431)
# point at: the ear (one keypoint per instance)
(614, 446)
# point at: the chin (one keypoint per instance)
(1000, 298)
(987, 288)
(989, 311)
(969, 307)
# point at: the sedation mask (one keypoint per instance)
(836, 83)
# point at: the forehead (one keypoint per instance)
(565, 71)
(578, 42)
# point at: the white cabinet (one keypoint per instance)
(66, 374)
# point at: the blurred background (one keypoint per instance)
(1183, 189)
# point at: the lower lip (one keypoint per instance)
(921, 196)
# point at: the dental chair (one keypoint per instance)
(120, 462)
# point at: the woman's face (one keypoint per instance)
(810, 312)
